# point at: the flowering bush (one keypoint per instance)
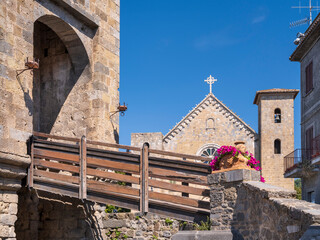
(230, 150)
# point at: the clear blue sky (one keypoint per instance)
(168, 48)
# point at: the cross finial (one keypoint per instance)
(210, 80)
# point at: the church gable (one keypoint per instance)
(208, 119)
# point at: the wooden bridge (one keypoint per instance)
(146, 180)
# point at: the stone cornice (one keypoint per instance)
(210, 99)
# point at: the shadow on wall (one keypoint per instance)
(63, 59)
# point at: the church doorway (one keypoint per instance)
(63, 59)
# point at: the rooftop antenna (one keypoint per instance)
(307, 19)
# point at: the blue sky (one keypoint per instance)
(168, 48)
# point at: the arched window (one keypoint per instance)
(277, 146)
(208, 150)
(277, 115)
(210, 123)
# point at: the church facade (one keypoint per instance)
(211, 124)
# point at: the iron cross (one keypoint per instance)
(210, 80)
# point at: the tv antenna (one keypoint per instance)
(307, 19)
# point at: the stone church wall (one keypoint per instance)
(196, 134)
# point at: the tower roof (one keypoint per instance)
(275, 91)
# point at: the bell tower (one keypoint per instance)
(276, 133)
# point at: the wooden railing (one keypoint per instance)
(145, 180)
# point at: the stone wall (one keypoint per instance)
(8, 211)
(84, 48)
(44, 216)
(269, 131)
(211, 123)
(255, 210)
(139, 227)
(154, 140)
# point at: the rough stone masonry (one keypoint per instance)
(73, 91)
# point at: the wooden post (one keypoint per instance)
(83, 168)
(30, 169)
(144, 174)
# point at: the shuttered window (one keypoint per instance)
(309, 139)
(309, 77)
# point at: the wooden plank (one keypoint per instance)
(56, 189)
(144, 176)
(55, 182)
(56, 176)
(45, 135)
(111, 187)
(44, 144)
(166, 153)
(203, 169)
(179, 188)
(113, 145)
(179, 200)
(56, 155)
(112, 176)
(177, 176)
(116, 200)
(83, 169)
(124, 167)
(179, 212)
(56, 165)
(109, 155)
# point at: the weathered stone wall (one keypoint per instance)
(44, 216)
(8, 211)
(255, 210)
(269, 131)
(138, 227)
(209, 123)
(89, 31)
(154, 140)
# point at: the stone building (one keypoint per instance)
(303, 163)
(71, 93)
(276, 132)
(212, 124)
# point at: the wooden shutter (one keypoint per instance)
(309, 139)
(309, 77)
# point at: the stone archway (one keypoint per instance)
(63, 60)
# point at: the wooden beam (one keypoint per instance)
(83, 169)
(144, 176)
(30, 169)
(179, 188)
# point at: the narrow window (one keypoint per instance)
(210, 123)
(277, 146)
(309, 141)
(277, 115)
(309, 77)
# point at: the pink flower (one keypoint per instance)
(262, 179)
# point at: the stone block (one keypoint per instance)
(7, 219)
(10, 197)
(13, 208)
(203, 235)
(112, 223)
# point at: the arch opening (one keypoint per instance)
(277, 146)
(63, 59)
(277, 115)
